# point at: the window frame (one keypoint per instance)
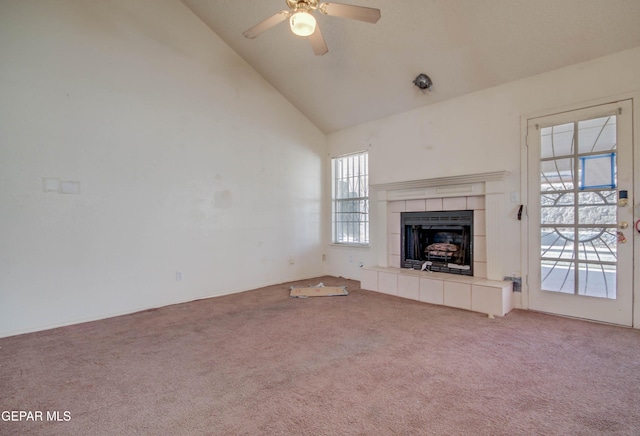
(358, 179)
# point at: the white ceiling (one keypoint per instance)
(463, 45)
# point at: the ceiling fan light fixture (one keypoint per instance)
(302, 23)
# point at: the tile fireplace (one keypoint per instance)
(483, 194)
(434, 220)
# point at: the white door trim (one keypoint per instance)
(524, 178)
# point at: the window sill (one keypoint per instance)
(337, 244)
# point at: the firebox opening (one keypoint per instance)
(438, 241)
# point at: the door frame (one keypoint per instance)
(634, 97)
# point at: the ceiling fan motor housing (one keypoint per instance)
(302, 5)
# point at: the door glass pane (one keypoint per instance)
(557, 140)
(597, 171)
(558, 276)
(557, 215)
(598, 244)
(556, 175)
(597, 207)
(597, 280)
(556, 198)
(598, 134)
(557, 243)
(578, 232)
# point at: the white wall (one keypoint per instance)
(187, 161)
(475, 133)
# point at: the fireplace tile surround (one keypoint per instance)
(475, 203)
(484, 291)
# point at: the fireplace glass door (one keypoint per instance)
(438, 241)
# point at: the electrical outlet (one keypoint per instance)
(178, 276)
(292, 261)
(324, 257)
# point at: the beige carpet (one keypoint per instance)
(262, 363)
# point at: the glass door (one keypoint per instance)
(580, 210)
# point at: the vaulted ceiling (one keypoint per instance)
(462, 45)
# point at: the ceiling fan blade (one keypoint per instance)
(361, 13)
(267, 24)
(317, 42)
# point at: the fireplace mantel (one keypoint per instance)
(495, 176)
(453, 186)
(490, 185)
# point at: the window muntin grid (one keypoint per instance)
(350, 195)
(578, 219)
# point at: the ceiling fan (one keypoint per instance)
(304, 24)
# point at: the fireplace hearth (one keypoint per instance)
(439, 241)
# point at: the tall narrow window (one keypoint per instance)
(350, 205)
